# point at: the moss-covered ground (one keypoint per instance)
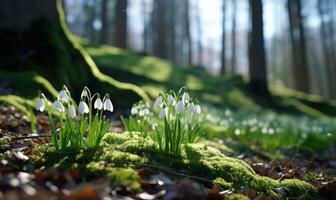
(121, 154)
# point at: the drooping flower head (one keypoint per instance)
(40, 105)
(185, 97)
(108, 104)
(180, 107)
(83, 108)
(98, 104)
(63, 96)
(58, 106)
(171, 99)
(159, 102)
(72, 111)
(134, 110)
(191, 108)
(164, 113)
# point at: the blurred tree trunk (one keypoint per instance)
(103, 17)
(159, 29)
(257, 68)
(120, 21)
(233, 35)
(171, 23)
(145, 26)
(300, 65)
(199, 35)
(222, 69)
(327, 33)
(188, 34)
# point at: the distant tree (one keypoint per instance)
(120, 21)
(187, 30)
(199, 35)
(300, 65)
(223, 63)
(257, 68)
(233, 37)
(327, 33)
(159, 28)
(145, 33)
(104, 21)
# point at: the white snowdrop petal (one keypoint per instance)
(58, 106)
(164, 113)
(62, 95)
(83, 108)
(180, 107)
(108, 105)
(98, 104)
(72, 111)
(134, 111)
(185, 97)
(40, 106)
(158, 102)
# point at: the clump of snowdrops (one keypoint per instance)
(141, 119)
(173, 120)
(79, 127)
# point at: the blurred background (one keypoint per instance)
(216, 35)
(227, 52)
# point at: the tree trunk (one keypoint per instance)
(120, 21)
(38, 39)
(222, 69)
(145, 26)
(104, 30)
(188, 34)
(257, 69)
(159, 28)
(300, 65)
(199, 36)
(233, 35)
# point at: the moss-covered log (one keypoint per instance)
(38, 40)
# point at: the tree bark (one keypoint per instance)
(159, 29)
(104, 30)
(120, 21)
(300, 65)
(257, 68)
(233, 39)
(222, 69)
(188, 34)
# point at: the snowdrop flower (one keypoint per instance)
(72, 111)
(185, 97)
(158, 102)
(108, 105)
(198, 109)
(171, 100)
(63, 96)
(141, 113)
(164, 113)
(83, 108)
(191, 108)
(134, 111)
(180, 107)
(98, 104)
(58, 106)
(40, 106)
(84, 93)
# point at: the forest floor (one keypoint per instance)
(20, 179)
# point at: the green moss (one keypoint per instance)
(223, 185)
(130, 150)
(237, 197)
(298, 188)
